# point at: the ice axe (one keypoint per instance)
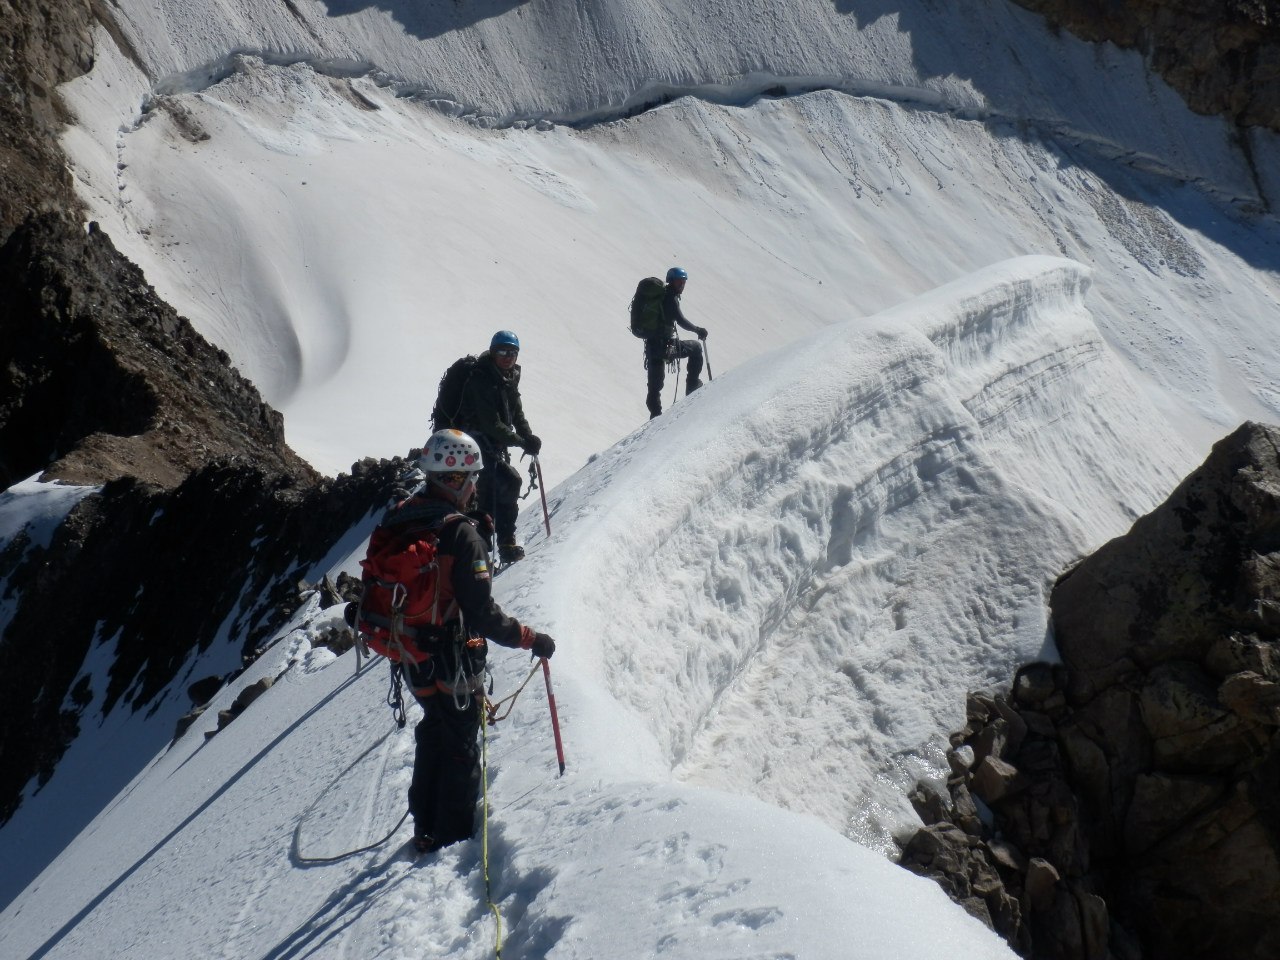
(555, 718)
(542, 491)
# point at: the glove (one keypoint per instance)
(543, 646)
(701, 332)
(532, 445)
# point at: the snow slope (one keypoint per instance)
(772, 600)
(328, 235)
(746, 596)
(205, 856)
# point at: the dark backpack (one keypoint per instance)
(444, 415)
(646, 308)
(405, 599)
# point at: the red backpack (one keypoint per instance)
(408, 590)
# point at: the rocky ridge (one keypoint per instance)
(1223, 56)
(1123, 804)
(203, 519)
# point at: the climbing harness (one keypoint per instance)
(673, 366)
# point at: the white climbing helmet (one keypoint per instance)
(451, 451)
(452, 463)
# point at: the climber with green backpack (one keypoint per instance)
(655, 312)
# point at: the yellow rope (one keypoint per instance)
(488, 893)
(491, 717)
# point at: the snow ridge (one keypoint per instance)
(926, 444)
(738, 92)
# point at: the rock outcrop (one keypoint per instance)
(1223, 56)
(1126, 803)
(205, 519)
(101, 379)
(41, 46)
(159, 576)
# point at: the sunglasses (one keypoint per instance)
(454, 481)
(505, 352)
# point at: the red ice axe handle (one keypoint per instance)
(555, 717)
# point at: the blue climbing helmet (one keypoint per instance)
(505, 338)
(677, 273)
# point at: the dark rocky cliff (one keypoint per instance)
(101, 379)
(1223, 56)
(1126, 803)
(161, 574)
(205, 518)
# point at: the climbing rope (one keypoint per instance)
(673, 365)
(491, 718)
(488, 889)
(493, 713)
(491, 707)
(350, 853)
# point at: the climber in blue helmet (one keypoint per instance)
(490, 410)
(665, 347)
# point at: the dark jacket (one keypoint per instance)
(491, 408)
(672, 314)
(464, 561)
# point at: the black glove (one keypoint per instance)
(543, 646)
(701, 332)
(532, 445)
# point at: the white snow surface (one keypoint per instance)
(977, 300)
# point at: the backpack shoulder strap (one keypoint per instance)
(415, 515)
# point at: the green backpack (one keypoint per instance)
(646, 308)
(444, 414)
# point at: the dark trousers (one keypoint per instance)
(657, 353)
(446, 764)
(498, 492)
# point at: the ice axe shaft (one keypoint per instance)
(542, 489)
(555, 717)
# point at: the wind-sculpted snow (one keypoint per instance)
(330, 235)
(797, 574)
(506, 62)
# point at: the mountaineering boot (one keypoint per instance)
(422, 843)
(510, 552)
(692, 385)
